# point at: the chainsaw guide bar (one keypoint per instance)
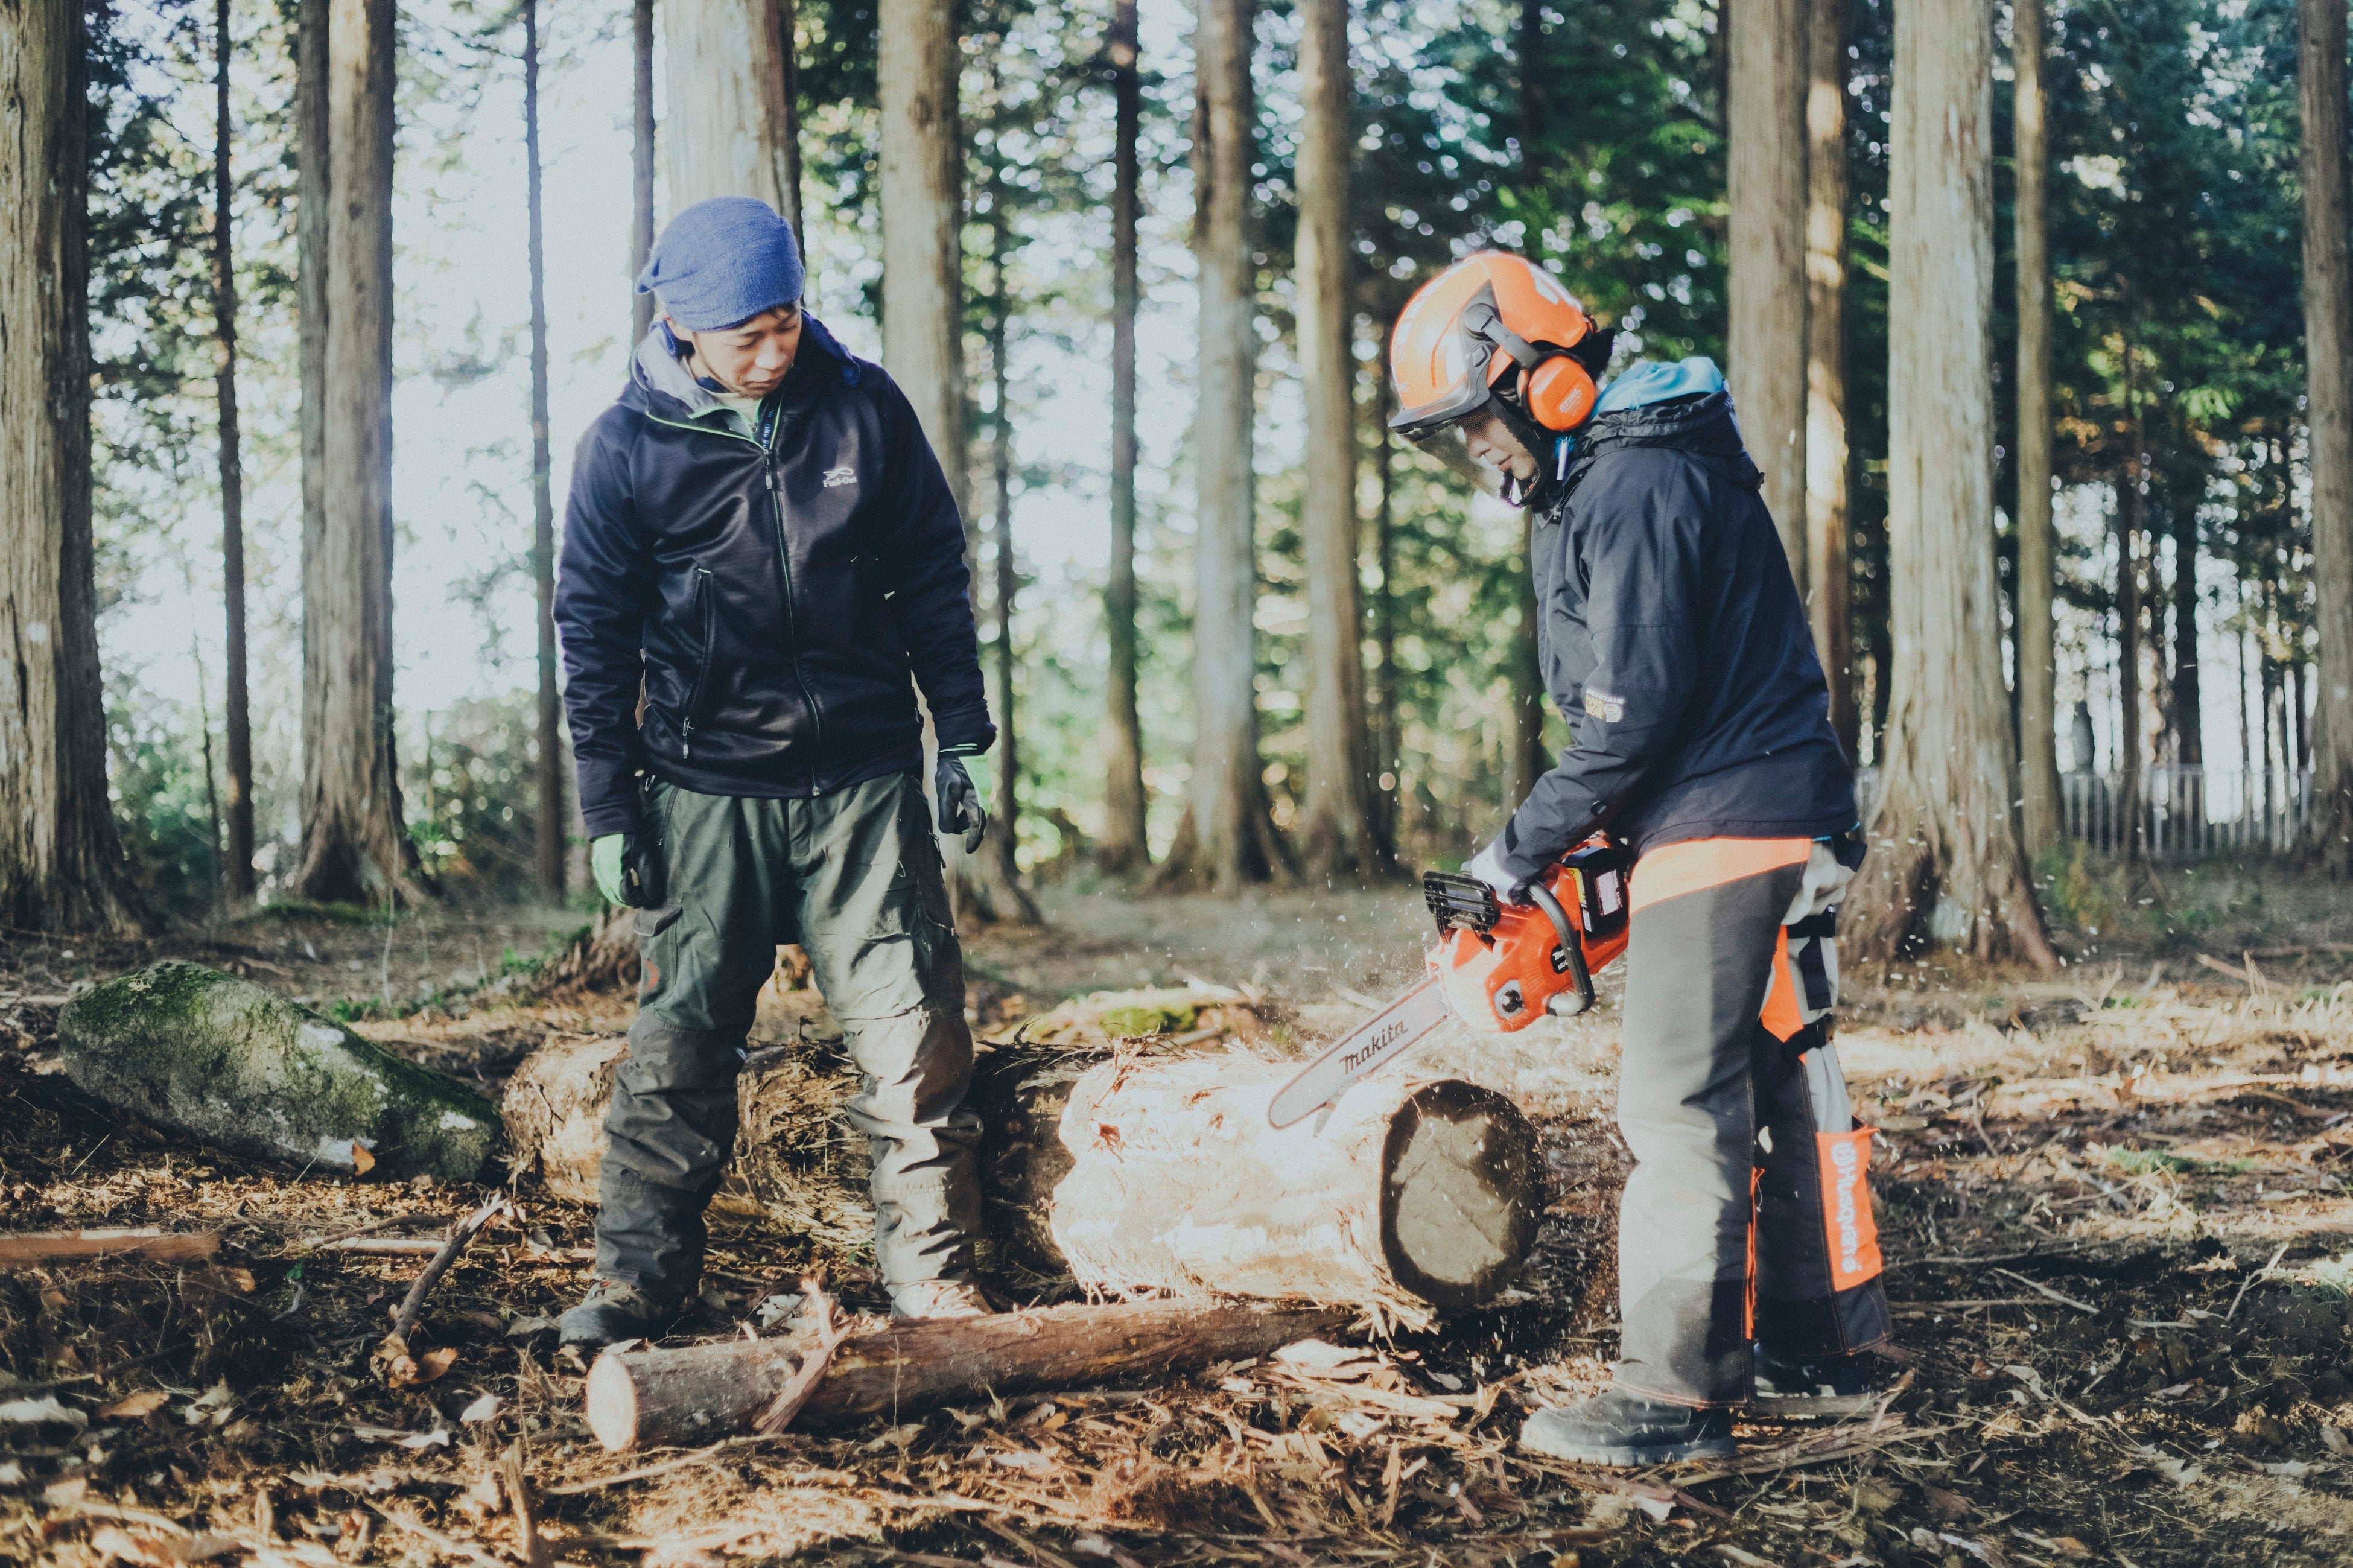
(1364, 1051)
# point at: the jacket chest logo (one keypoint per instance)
(1602, 706)
(836, 478)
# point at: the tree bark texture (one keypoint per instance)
(1337, 836)
(1123, 845)
(730, 132)
(1764, 336)
(356, 849)
(60, 857)
(648, 1398)
(548, 833)
(314, 182)
(1828, 595)
(2038, 701)
(2328, 339)
(1124, 1176)
(641, 164)
(1227, 840)
(236, 704)
(1945, 862)
(1004, 831)
(2128, 644)
(2189, 706)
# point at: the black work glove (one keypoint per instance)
(959, 798)
(628, 867)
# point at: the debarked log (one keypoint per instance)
(704, 1392)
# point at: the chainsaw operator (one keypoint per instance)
(762, 562)
(1672, 636)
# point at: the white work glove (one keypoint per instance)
(1508, 887)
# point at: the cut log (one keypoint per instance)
(1129, 1176)
(1413, 1195)
(31, 1249)
(704, 1392)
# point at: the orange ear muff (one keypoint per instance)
(1558, 394)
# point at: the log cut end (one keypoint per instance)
(1462, 1195)
(612, 1403)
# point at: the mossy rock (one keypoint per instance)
(238, 1065)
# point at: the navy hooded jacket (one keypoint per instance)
(1672, 636)
(771, 590)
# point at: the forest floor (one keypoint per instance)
(2113, 1201)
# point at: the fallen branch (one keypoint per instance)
(28, 1249)
(389, 1245)
(830, 1331)
(534, 1550)
(646, 1397)
(2248, 1283)
(399, 1365)
(424, 1531)
(2046, 1291)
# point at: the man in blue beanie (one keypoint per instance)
(762, 562)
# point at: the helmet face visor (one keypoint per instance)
(1443, 440)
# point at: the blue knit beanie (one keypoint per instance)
(721, 262)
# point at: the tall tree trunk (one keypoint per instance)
(2189, 708)
(1523, 741)
(788, 27)
(1007, 834)
(730, 132)
(922, 317)
(548, 826)
(1122, 846)
(2129, 737)
(1945, 861)
(1766, 290)
(1826, 444)
(2328, 338)
(641, 164)
(314, 185)
(1338, 834)
(59, 858)
(1389, 757)
(2038, 701)
(238, 710)
(1228, 839)
(356, 847)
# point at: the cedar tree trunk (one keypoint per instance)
(641, 164)
(1338, 837)
(730, 130)
(1826, 450)
(1945, 857)
(1524, 742)
(2129, 737)
(1228, 839)
(2038, 701)
(232, 478)
(60, 857)
(1122, 846)
(548, 825)
(1765, 301)
(1005, 832)
(356, 849)
(2328, 338)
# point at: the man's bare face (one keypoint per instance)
(1490, 441)
(749, 360)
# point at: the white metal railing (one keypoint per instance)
(2182, 813)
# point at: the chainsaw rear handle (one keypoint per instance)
(1579, 999)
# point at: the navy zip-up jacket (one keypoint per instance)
(777, 593)
(1672, 637)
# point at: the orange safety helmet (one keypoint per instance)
(1465, 331)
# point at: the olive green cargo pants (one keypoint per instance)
(854, 878)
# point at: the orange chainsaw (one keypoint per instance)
(1498, 967)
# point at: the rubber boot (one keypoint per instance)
(1830, 1377)
(613, 1311)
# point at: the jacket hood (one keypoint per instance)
(656, 367)
(1683, 405)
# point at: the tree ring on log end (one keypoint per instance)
(1461, 1194)
(612, 1403)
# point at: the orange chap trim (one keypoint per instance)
(1847, 1222)
(1697, 863)
(1781, 1015)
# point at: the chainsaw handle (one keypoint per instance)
(1572, 943)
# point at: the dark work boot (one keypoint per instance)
(612, 1312)
(1618, 1427)
(1830, 1384)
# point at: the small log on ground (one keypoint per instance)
(704, 1392)
(1411, 1195)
